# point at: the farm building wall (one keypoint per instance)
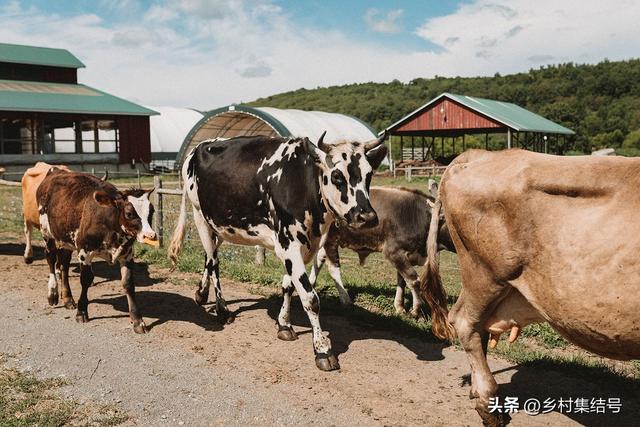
(448, 115)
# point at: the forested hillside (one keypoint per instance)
(600, 102)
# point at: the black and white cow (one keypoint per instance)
(282, 194)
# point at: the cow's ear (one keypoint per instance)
(317, 155)
(151, 190)
(375, 156)
(103, 198)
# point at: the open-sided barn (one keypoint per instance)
(449, 116)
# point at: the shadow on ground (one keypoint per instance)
(164, 306)
(17, 249)
(549, 380)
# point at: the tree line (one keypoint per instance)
(600, 102)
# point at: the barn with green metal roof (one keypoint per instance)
(422, 132)
(46, 115)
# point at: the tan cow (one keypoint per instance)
(30, 183)
(543, 238)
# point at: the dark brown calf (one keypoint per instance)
(401, 235)
(80, 212)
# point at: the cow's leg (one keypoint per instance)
(410, 276)
(329, 253)
(126, 266)
(64, 261)
(86, 279)
(222, 312)
(468, 316)
(398, 301)
(294, 265)
(210, 242)
(51, 254)
(318, 262)
(333, 265)
(28, 250)
(285, 330)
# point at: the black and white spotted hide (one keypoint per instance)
(282, 194)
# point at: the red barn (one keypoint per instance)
(451, 117)
(46, 115)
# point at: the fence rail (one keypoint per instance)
(408, 170)
(166, 212)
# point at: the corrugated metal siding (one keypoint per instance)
(448, 115)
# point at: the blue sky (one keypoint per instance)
(209, 53)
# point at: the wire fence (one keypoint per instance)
(166, 199)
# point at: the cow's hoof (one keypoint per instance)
(400, 311)
(53, 299)
(493, 420)
(327, 361)
(140, 328)
(201, 298)
(415, 314)
(345, 299)
(286, 333)
(28, 260)
(82, 317)
(223, 316)
(70, 304)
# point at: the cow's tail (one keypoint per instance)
(178, 233)
(431, 288)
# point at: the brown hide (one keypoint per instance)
(403, 220)
(30, 182)
(562, 231)
(75, 217)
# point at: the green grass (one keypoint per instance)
(28, 401)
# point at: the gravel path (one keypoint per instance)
(191, 371)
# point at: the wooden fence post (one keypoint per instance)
(407, 173)
(260, 255)
(157, 203)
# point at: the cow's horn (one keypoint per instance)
(373, 144)
(321, 145)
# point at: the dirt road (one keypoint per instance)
(191, 371)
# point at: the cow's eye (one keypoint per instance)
(129, 215)
(337, 178)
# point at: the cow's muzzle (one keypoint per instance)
(364, 219)
(150, 238)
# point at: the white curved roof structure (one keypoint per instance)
(241, 120)
(169, 129)
(312, 123)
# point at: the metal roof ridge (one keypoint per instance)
(71, 61)
(153, 112)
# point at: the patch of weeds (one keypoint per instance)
(28, 401)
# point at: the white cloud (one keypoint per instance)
(380, 22)
(206, 54)
(514, 35)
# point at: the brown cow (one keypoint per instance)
(543, 238)
(83, 213)
(30, 182)
(401, 235)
